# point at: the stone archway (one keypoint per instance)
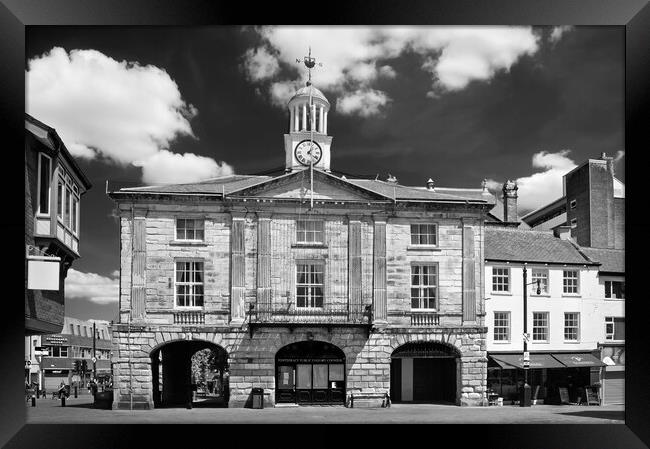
(425, 371)
(310, 372)
(171, 372)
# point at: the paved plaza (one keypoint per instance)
(81, 410)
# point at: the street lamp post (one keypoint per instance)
(524, 394)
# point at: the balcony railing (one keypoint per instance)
(328, 314)
(424, 319)
(189, 317)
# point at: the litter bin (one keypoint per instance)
(258, 397)
(103, 400)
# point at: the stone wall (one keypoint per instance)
(252, 360)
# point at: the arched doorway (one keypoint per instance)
(424, 372)
(310, 372)
(184, 371)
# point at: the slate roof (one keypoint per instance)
(612, 260)
(224, 184)
(389, 190)
(517, 245)
(400, 192)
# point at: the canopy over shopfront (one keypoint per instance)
(556, 360)
(512, 361)
(578, 360)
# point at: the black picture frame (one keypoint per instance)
(634, 15)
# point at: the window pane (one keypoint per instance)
(67, 206)
(619, 329)
(336, 372)
(608, 289)
(74, 214)
(320, 376)
(285, 381)
(303, 376)
(44, 194)
(59, 199)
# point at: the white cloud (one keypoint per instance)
(122, 111)
(281, 92)
(620, 154)
(259, 64)
(362, 102)
(387, 71)
(539, 189)
(557, 32)
(92, 287)
(354, 57)
(172, 168)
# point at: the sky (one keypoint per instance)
(151, 105)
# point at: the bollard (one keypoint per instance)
(62, 400)
(75, 392)
(33, 401)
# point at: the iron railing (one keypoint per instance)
(328, 314)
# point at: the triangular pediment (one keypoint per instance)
(297, 185)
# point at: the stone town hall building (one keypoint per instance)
(310, 285)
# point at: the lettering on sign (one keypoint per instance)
(310, 360)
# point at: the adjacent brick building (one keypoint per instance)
(316, 287)
(593, 206)
(54, 184)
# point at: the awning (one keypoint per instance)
(577, 360)
(512, 361)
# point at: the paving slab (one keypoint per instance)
(81, 411)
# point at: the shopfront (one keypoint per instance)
(613, 378)
(555, 378)
(310, 372)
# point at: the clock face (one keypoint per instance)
(306, 153)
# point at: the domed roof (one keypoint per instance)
(304, 92)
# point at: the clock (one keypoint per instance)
(308, 152)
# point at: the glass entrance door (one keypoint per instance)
(286, 383)
(304, 382)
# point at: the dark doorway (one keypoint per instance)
(424, 372)
(310, 372)
(185, 371)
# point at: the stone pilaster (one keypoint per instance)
(379, 271)
(263, 262)
(469, 271)
(138, 268)
(237, 269)
(354, 264)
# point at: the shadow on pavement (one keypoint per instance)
(602, 414)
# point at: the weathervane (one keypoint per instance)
(310, 63)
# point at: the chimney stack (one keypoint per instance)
(610, 162)
(510, 201)
(430, 184)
